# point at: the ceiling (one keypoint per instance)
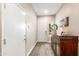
(43, 9)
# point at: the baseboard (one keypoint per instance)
(31, 49)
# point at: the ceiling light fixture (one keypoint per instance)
(46, 11)
(23, 12)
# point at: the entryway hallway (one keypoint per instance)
(27, 29)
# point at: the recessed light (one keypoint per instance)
(45, 11)
(24, 13)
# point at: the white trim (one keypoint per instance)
(31, 49)
(45, 41)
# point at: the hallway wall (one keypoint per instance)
(31, 27)
(43, 28)
(71, 10)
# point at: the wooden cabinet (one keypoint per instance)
(68, 45)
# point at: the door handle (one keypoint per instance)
(24, 39)
(4, 41)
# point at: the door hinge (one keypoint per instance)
(4, 5)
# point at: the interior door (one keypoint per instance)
(14, 31)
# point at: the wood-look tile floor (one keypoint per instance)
(42, 49)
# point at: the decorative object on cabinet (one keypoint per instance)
(53, 27)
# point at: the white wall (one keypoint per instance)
(71, 10)
(43, 27)
(31, 28)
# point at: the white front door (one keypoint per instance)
(13, 31)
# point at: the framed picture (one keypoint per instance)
(64, 22)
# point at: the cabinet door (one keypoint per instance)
(68, 47)
(62, 48)
(75, 46)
